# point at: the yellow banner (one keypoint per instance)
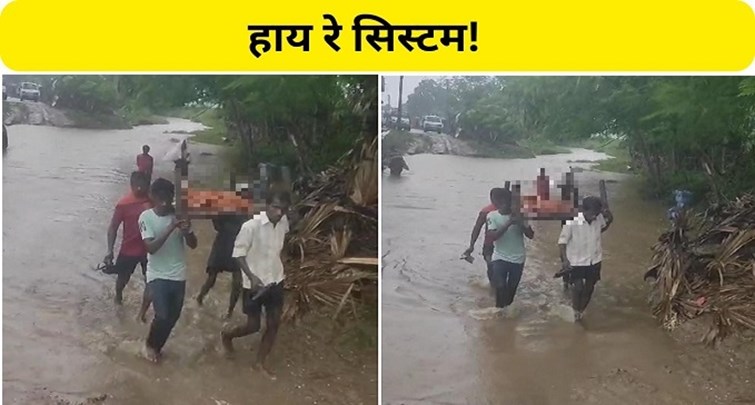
(152, 35)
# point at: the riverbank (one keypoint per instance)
(16, 112)
(415, 142)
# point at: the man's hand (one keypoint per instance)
(565, 265)
(256, 282)
(108, 258)
(469, 251)
(185, 226)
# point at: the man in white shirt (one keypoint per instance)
(581, 250)
(258, 249)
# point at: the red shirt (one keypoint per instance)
(485, 211)
(144, 163)
(127, 212)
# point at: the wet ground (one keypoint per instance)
(64, 342)
(441, 343)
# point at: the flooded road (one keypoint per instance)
(437, 349)
(63, 340)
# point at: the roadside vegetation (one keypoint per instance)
(696, 133)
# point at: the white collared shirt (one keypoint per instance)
(261, 242)
(583, 240)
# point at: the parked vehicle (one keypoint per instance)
(29, 91)
(405, 124)
(432, 123)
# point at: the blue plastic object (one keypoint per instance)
(682, 199)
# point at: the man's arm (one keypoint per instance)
(564, 260)
(154, 242)
(475, 232)
(608, 219)
(112, 232)
(495, 234)
(241, 248)
(189, 236)
(528, 231)
(563, 240)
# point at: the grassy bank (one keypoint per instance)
(619, 158)
(501, 151)
(209, 117)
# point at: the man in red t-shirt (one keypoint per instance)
(487, 246)
(132, 250)
(145, 163)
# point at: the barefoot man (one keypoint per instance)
(581, 248)
(221, 258)
(132, 251)
(258, 249)
(164, 236)
(145, 163)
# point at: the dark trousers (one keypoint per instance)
(167, 301)
(504, 277)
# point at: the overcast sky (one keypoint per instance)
(410, 82)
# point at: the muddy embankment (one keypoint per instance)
(17, 112)
(416, 142)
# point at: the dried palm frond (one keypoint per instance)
(339, 218)
(708, 266)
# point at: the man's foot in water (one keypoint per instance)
(200, 299)
(150, 354)
(118, 300)
(577, 316)
(227, 342)
(141, 317)
(262, 369)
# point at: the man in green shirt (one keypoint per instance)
(165, 238)
(507, 228)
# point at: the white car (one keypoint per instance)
(432, 123)
(29, 91)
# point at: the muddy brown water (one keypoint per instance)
(64, 342)
(439, 346)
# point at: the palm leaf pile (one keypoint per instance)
(706, 265)
(333, 248)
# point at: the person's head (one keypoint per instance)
(162, 193)
(278, 202)
(145, 149)
(501, 198)
(542, 171)
(139, 184)
(591, 207)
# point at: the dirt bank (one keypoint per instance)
(416, 142)
(17, 112)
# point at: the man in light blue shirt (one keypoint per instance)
(166, 263)
(507, 228)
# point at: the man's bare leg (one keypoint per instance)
(272, 319)
(120, 285)
(146, 302)
(235, 292)
(208, 284)
(577, 291)
(252, 325)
